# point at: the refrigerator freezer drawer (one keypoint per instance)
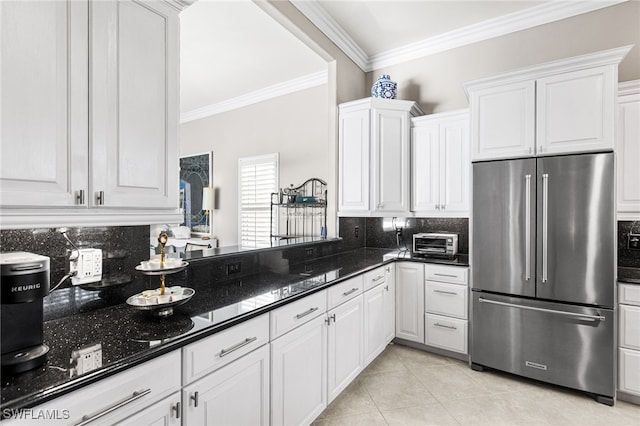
(567, 345)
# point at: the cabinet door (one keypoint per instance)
(425, 168)
(628, 150)
(390, 141)
(344, 345)
(410, 301)
(503, 121)
(576, 111)
(629, 327)
(43, 103)
(454, 173)
(134, 104)
(167, 412)
(390, 303)
(374, 322)
(354, 128)
(299, 374)
(237, 394)
(629, 371)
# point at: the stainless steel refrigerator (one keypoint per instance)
(543, 274)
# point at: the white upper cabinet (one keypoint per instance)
(440, 164)
(566, 106)
(134, 102)
(576, 111)
(374, 156)
(89, 114)
(628, 151)
(44, 103)
(503, 120)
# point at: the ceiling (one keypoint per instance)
(233, 53)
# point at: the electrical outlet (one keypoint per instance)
(308, 252)
(233, 268)
(86, 359)
(356, 232)
(633, 241)
(88, 265)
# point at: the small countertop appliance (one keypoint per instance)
(24, 283)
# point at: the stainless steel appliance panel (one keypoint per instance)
(575, 221)
(504, 226)
(563, 344)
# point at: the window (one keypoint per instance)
(257, 179)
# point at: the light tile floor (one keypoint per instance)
(405, 386)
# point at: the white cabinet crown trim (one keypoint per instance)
(576, 63)
(631, 87)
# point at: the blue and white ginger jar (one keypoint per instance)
(384, 88)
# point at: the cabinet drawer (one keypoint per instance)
(629, 371)
(446, 299)
(297, 313)
(211, 353)
(629, 294)
(446, 274)
(629, 326)
(446, 333)
(375, 277)
(141, 386)
(344, 291)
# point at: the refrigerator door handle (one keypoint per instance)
(545, 224)
(527, 230)
(551, 311)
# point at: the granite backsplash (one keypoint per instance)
(370, 233)
(627, 258)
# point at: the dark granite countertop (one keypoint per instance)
(629, 275)
(129, 337)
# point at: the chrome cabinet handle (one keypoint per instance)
(333, 317)
(388, 268)
(443, 206)
(353, 290)
(550, 311)
(445, 292)
(527, 230)
(100, 198)
(80, 197)
(305, 313)
(386, 287)
(378, 278)
(445, 275)
(176, 409)
(545, 224)
(437, 206)
(86, 419)
(194, 398)
(450, 327)
(237, 346)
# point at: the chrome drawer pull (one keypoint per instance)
(550, 311)
(86, 419)
(450, 327)
(237, 346)
(353, 290)
(194, 398)
(378, 278)
(176, 408)
(305, 313)
(445, 292)
(445, 275)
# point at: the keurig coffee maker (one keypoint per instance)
(24, 282)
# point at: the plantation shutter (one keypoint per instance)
(258, 178)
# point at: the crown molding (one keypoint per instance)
(325, 23)
(270, 92)
(528, 18)
(628, 87)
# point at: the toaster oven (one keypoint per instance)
(435, 244)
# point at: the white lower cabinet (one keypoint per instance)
(167, 412)
(629, 339)
(379, 316)
(410, 301)
(299, 374)
(344, 346)
(237, 394)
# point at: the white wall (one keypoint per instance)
(294, 125)
(435, 82)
